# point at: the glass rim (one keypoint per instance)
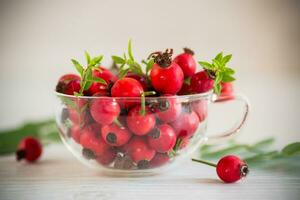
(181, 97)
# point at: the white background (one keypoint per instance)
(38, 38)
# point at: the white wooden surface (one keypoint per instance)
(60, 176)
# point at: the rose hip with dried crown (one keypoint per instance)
(187, 62)
(166, 76)
(29, 149)
(230, 168)
(115, 135)
(162, 138)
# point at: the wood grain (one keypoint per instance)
(60, 176)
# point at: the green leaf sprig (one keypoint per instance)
(86, 73)
(255, 154)
(219, 71)
(127, 63)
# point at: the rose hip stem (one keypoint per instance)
(143, 101)
(205, 162)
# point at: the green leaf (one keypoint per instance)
(78, 67)
(219, 56)
(216, 63)
(118, 60)
(291, 149)
(229, 71)
(205, 65)
(227, 78)
(96, 60)
(130, 50)
(87, 57)
(99, 80)
(263, 143)
(87, 85)
(123, 73)
(226, 59)
(149, 65)
(217, 88)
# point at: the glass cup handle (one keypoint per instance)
(240, 123)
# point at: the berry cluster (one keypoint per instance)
(118, 126)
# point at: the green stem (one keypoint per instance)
(118, 123)
(143, 101)
(204, 162)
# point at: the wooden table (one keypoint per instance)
(59, 175)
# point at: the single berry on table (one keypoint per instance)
(29, 149)
(230, 168)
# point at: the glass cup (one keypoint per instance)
(136, 135)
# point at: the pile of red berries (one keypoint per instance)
(118, 126)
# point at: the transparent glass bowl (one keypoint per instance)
(117, 141)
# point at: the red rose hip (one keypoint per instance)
(187, 62)
(168, 109)
(162, 138)
(92, 140)
(140, 152)
(201, 82)
(115, 135)
(186, 125)
(104, 110)
(159, 159)
(166, 76)
(29, 149)
(231, 169)
(140, 124)
(127, 87)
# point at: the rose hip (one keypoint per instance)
(140, 152)
(187, 62)
(186, 124)
(162, 138)
(141, 79)
(201, 82)
(107, 157)
(29, 149)
(75, 132)
(91, 139)
(127, 87)
(200, 107)
(115, 135)
(105, 74)
(104, 110)
(166, 76)
(140, 124)
(168, 109)
(230, 168)
(68, 84)
(159, 160)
